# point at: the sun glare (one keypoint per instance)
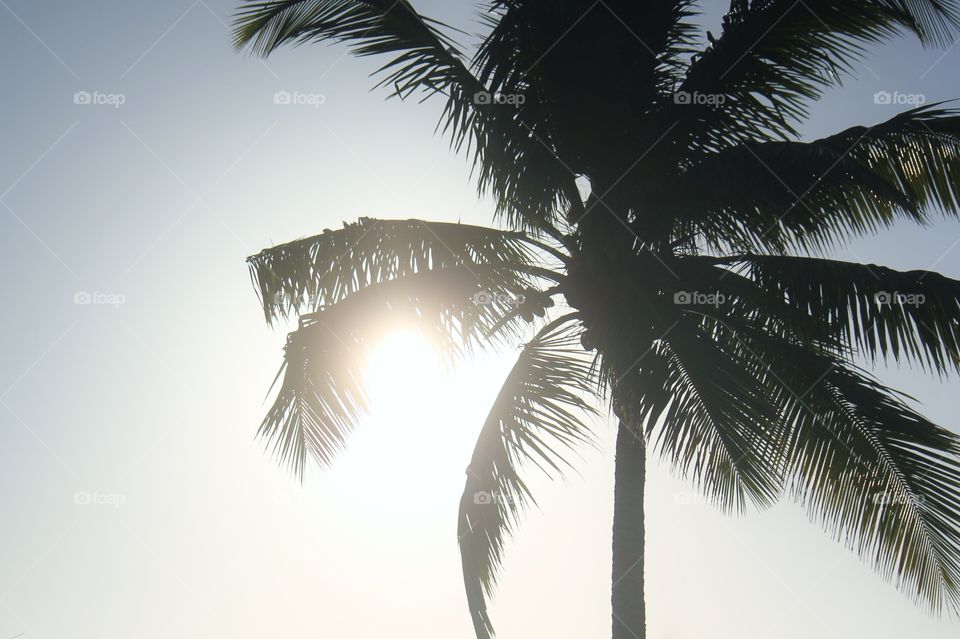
(402, 367)
(409, 452)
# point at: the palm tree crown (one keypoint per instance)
(698, 301)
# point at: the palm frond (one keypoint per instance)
(774, 56)
(705, 413)
(883, 479)
(314, 272)
(535, 420)
(876, 474)
(425, 58)
(911, 316)
(700, 409)
(918, 151)
(741, 297)
(529, 182)
(779, 195)
(321, 394)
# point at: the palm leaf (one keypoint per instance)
(774, 56)
(708, 417)
(876, 474)
(918, 151)
(314, 272)
(911, 316)
(700, 409)
(778, 195)
(321, 395)
(425, 59)
(535, 420)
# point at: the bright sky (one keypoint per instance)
(136, 501)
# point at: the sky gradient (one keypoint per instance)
(143, 160)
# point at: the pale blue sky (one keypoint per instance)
(150, 407)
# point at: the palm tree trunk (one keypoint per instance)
(629, 607)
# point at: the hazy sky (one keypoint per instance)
(144, 402)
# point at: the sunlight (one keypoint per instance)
(405, 443)
(408, 454)
(402, 370)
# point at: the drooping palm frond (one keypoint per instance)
(307, 274)
(700, 409)
(904, 515)
(707, 416)
(777, 195)
(425, 58)
(774, 56)
(876, 311)
(535, 420)
(872, 471)
(321, 394)
(918, 151)
(529, 182)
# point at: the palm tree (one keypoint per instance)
(696, 296)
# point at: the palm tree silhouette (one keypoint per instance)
(697, 301)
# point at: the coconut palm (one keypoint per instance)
(665, 235)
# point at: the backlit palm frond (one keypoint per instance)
(321, 394)
(876, 474)
(918, 151)
(706, 414)
(777, 195)
(305, 275)
(909, 316)
(529, 182)
(884, 480)
(741, 297)
(535, 420)
(774, 56)
(424, 57)
(700, 408)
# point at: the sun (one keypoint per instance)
(409, 452)
(399, 440)
(401, 368)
